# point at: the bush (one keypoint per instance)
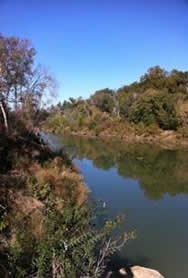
(104, 100)
(155, 107)
(55, 122)
(73, 247)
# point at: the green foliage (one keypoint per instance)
(50, 230)
(104, 100)
(3, 218)
(55, 122)
(24, 89)
(125, 99)
(155, 107)
(155, 78)
(39, 190)
(153, 101)
(72, 247)
(65, 241)
(80, 119)
(21, 248)
(177, 83)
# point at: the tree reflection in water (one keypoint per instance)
(158, 171)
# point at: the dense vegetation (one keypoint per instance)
(47, 228)
(156, 103)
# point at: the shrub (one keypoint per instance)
(72, 247)
(155, 107)
(104, 100)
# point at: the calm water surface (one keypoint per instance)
(148, 185)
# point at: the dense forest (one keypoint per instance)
(158, 102)
(47, 224)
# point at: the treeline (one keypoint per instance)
(158, 101)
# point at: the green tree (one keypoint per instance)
(16, 60)
(177, 82)
(155, 78)
(126, 99)
(155, 107)
(23, 88)
(104, 100)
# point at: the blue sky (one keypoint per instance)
(93, 44)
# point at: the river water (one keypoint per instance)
(147, 184)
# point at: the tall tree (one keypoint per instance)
(23, 88)
(41, 88)
(16, 61)
(104, 100)
(155, 78)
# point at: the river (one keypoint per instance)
(147, 184)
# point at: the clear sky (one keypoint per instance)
(93, 44)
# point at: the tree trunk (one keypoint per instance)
(4, 116)
(16, 98)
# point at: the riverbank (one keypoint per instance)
(152, 110)
(36, 187)
(44, 211)
(165, 139)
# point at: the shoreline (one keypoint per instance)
(166, 139)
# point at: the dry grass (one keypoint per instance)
(65, 182)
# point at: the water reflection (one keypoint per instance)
(150, 186)
(158, 171)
